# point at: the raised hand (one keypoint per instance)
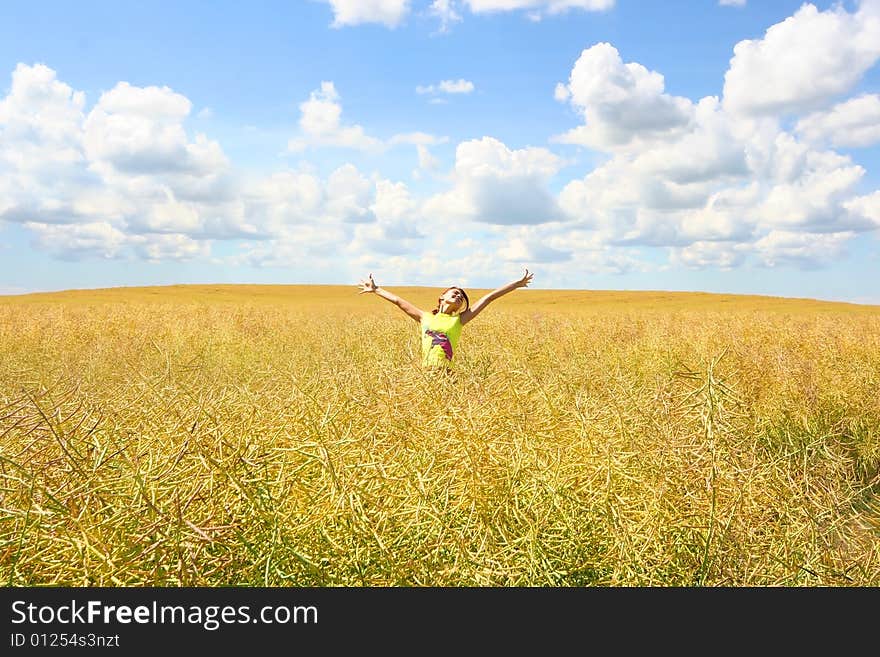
(525, 280)
(368, 285)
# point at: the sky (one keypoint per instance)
(727, 146)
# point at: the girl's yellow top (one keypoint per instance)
(440, 335)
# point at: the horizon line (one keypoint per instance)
(7, 292)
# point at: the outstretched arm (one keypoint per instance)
(369, 285)
(480, 305)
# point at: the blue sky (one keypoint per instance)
(604, 144)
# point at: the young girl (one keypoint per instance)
(441, 328)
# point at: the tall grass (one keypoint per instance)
(287, 436)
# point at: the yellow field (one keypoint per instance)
(283, 435)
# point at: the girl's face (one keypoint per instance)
(452, 301)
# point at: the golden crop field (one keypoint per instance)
(287, 436)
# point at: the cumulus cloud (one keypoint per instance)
(393, 202)
(287, 202)
(427, 162)
(524, 250)
(814, 198)
(496, 185)
(159, 248)
(125, 179)
(320, 124)
(445, 12)
(447, 87)
(392, 13)
(314, 244)
(355, 12)
(716, 182)
(803, 250)
(40, 128)
(396, 230)
(417, 138)
(724, 255)
(348, 196)
(140, 131)
(804, 62)
(537, 7)
(321, 127)
(865, 208)
(75, 241)
(718, 185)
(732, 3)
(564, 256)
(852, 123)
(621, 103)
(669, 191)
(126, 165)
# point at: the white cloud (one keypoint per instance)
(496, 185)
(716, 186)
(563, 255)
(75, 241)
(355, 12)
(537, 7)
(108, 167)
(393, 202)
(731, 188)
(668, 191)
(320, 124)
(349, 195)
(285, 198)
(722, 255)
(525, 250)
(802, 250)
(396, 230)
(865, 207)
(40, 123)
(173, 216)
(447, 87)
(392, 13)
(421, 140)
(489, 158)
(777, 248)
(316, 221)
(853, 123)
(804, 62)
(417, 139)
(140, 131)
(314, 245)
(427, 161)
(444, 263)
(444, 10)
(459, 86)
(158, 248)
(561, 92)
(732, 3)
(292, 202)
(125, 180)
(814, 199)
(621, 103)
(708, 151)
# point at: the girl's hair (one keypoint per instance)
(467, 302)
